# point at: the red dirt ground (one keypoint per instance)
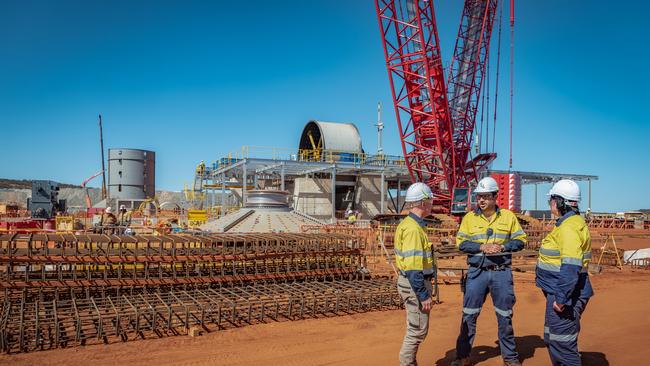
(631, 243)
(615, 331)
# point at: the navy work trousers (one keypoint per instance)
(561, 331)
(499, 284)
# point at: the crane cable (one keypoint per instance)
(487, 105)
(512, 62)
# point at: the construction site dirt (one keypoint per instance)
(614, 332)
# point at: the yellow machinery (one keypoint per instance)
(315, 153)
(64, 223)
(195, 196)
(146, 204)
(196, 218)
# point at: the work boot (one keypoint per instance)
(511, 363)
(461, 362)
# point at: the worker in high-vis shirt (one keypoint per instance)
(562, 274)
(416, 264)
(488, 235)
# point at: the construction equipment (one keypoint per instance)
(437, 117)
(83, 185)
(316, 147)
(101, 145)
(45, 202)
(195, 196)
(147, 205)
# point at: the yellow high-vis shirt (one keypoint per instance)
(413, 251)
(504, 224)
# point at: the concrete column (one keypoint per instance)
(243, 184)
(223, 194)
(383, 193)
(282, 177)
(333, 194)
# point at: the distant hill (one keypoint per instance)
(17, 192)
(26, 184)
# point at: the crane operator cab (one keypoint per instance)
(463, 200)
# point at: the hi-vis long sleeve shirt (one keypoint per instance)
(414, 254)
(502, 228)
(564, 258)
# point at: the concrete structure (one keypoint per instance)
(266, 211)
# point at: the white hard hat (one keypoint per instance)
(108, 209)
(567, 189)
(487, 185)
(122, 207)
(418, 192)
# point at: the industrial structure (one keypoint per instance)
(328, 174)
(510, 183)
(131, 176)
(330, 165)
(45, 202)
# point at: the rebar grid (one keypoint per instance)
(37, 325)
(640, 263)
(57, 262)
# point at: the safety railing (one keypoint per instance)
(308, 155)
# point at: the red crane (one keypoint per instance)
(436, 119)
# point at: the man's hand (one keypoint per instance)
(558, 307)
(496, 248)
(491, 248)
(426, 305)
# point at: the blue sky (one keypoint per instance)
(194, 80)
